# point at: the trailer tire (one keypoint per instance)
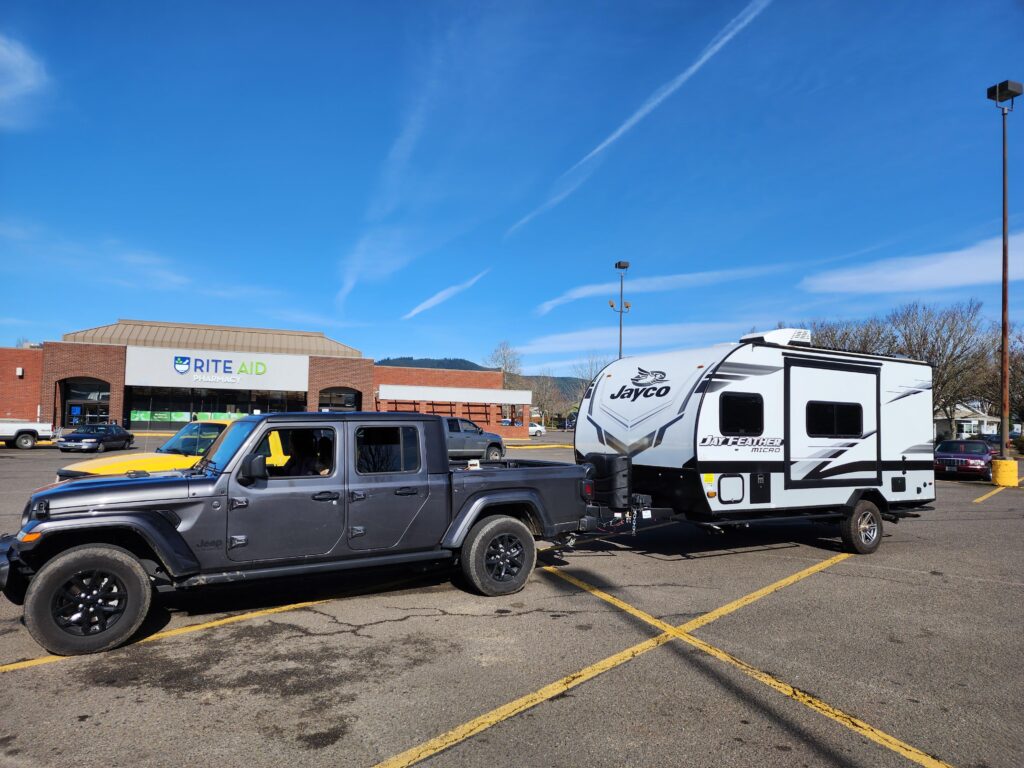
(119, 602)
(498, 556)
(861, 528)
(25, 441)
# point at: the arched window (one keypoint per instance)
(84, 401)
(340, 399)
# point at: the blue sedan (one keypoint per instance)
(96, 437)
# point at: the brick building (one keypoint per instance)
(148, 375)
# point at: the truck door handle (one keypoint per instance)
(405, 491)
(357, 530)
(357, 495)
(326, 496)
(236, 503)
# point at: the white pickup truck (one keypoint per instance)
(24, 434)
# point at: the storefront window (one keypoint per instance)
(167, 408)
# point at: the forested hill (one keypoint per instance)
(452, 363)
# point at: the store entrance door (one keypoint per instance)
(79, 413)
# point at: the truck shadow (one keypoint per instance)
(218, 601)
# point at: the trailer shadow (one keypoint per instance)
(688, 542)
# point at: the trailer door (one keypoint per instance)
(832, 431)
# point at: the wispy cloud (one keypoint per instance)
(388, 244)
(443, 295)
(605, 338)
(22, 77)
(977, 264)
(380, 253)
(576, 174)
(658, 284)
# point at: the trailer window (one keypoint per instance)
(834, 419)
(740, 413)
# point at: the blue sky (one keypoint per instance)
(428, 179)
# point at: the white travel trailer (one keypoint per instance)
(767, 428)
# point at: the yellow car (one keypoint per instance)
(180, 452)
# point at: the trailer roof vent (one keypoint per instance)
(788, 337)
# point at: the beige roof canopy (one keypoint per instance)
(146, 333)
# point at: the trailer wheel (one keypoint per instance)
(25, 441)
(498, 556)
(861, 529)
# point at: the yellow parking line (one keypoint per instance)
(483, 722)
(989, 495)
(187, 629)
(707, 618)
(843, 718)
(488, 719)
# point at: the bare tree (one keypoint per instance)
(509, 361)
(872, 336)
(585, 371)
(949, 338)
(546, 393)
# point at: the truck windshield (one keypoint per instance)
(193, 439)
(225, 446)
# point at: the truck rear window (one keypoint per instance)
(387, 449)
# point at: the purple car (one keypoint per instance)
(964, 457)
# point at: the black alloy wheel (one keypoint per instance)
(504, 557)
(89, 602)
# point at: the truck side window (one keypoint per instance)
(453, 425)
(387, 449)
(740, 413)
(834, 419)
(306, 452)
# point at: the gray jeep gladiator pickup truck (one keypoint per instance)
(355, 489)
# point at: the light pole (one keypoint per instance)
(624, 306)
(1005, 91)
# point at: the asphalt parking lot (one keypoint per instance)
(674, 647)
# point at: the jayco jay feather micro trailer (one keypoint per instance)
(766, 428)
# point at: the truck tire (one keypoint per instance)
(25, 441)
(88, 599)
(498, 556)
(861, 529)
(493, 453)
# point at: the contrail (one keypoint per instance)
(727, 33)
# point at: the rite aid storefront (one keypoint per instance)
(160, 376)
(165, 388)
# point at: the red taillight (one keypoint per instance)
(587, 490)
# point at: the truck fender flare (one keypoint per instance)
(475, 509)
(161, 536)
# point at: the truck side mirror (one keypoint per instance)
(254, 467)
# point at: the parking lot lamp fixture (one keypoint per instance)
(1003, 95)
(624, 306)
